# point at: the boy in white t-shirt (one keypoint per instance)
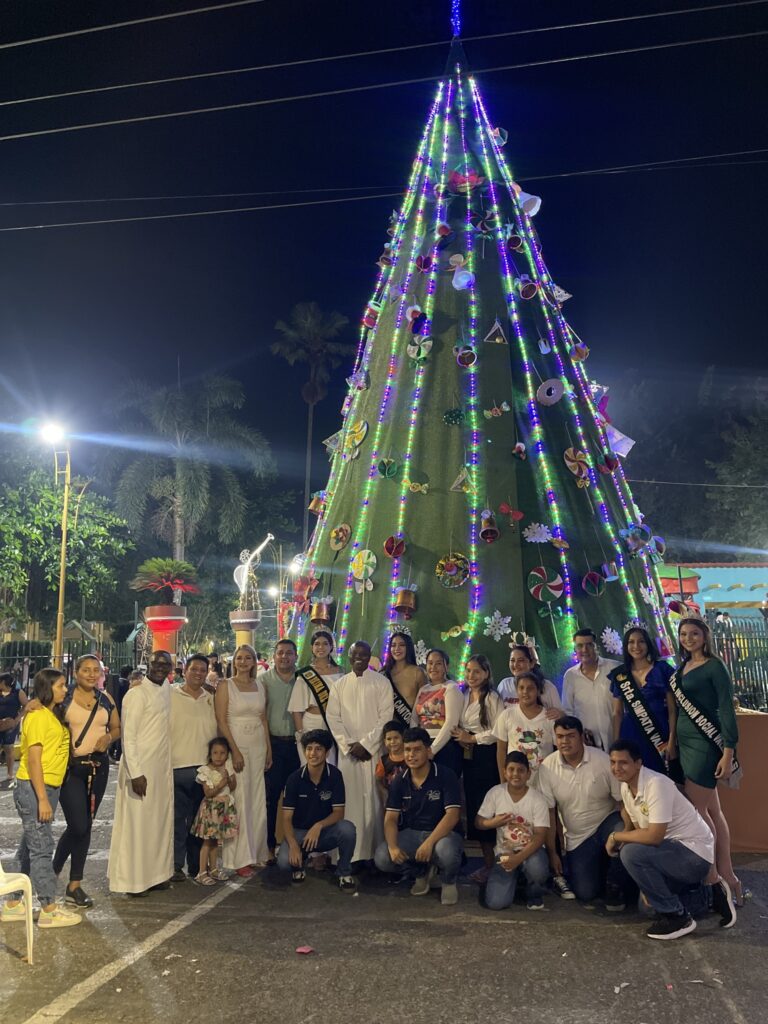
(521, 818)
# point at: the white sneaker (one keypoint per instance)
(59, 917)
(17, 913)
(449, 896)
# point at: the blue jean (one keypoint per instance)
(446, 855)
(588, 868)
(35, 853)
(285, 761)
(662, 872)
(342, 837)
(187, 797)
(501, 885)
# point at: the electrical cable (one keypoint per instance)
(126, 24)
(691, 483)
(362, 53)
(369, 88)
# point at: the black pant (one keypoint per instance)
(187, 797)
(285, 759)
(76, 804)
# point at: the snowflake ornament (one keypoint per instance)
(648, 595)
(421, 652)
(611, 640)
(537, 533)
(497, 625)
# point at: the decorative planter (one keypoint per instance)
(244, 622)
(165, 621)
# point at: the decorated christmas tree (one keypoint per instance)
(476, 493)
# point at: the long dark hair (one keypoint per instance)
(410, 653)
(485, 665)
(653, 655)
(42, 689)
(446, 660)
(708, 650)
(530, 654)
(329, 637)
(537, 682)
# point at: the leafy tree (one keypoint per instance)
(309, 338)
(741, 504)
(191, 479)
(30, 543)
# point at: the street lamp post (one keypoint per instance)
(54, 435)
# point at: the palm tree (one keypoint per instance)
(189, 476)
(309, 338)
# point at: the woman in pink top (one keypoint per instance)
(93, 723)
(437, 709)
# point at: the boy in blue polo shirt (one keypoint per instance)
(313, 813)
(420, 822)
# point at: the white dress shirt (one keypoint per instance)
(590, 700)
(659, 801)
(584, 795)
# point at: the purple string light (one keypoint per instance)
(456, 17)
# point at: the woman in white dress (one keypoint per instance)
(241, 716)
(303, 703)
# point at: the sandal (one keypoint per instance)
(204, 879)
(219, 874)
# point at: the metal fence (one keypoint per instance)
(25, 657)
(742, 643)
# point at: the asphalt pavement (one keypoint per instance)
(230, 954)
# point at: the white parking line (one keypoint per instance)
(62, 1005)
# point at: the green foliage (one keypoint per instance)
(741, 518)
(164, 576)
(192, 481)
(30, 542)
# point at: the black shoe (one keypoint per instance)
(614, 899)
(178, 875)
(160, 886)
(79, 897)
(671, 926)
(722, 903)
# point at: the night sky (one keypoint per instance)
(667, 267)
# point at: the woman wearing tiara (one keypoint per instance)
(312, 688)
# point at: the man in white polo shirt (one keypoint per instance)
(587, 690)
(666, 846)
(577, 783)
(193, 726)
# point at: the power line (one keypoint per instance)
(716, 160)
(369, 88)
(361, 53)
(663, 165)
(126, 24)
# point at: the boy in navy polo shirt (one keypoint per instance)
(313, 813)
(420, 822)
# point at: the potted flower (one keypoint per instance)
(169, 579)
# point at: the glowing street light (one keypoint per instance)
(273, 591)
(53, 434)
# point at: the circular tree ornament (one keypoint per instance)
(593, 584)
(545, 584)
(550, 392)
(394, 547)
(364, 564)
(339, 537)
(452, 570)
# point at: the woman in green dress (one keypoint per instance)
(705, 681)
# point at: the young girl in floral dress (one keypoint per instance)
(216, 819)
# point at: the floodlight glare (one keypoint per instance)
(273, 591)
(52, 433)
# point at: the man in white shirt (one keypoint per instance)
(587, 690)
(193, 726)
(666, 846)
(359, 706)
(576, 781)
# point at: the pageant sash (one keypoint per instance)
(639, 711)
(707, 729)
(403, 710)
(318, 687)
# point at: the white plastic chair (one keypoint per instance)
(12, 883)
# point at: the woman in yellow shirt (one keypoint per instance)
(43, 765)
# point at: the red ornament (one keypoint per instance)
(394, 547)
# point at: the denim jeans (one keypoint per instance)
(285, 761)
(662, 872)
(446, 855)
(35, 852)
(588, 868)
(501, 885)
(187, 797)
(342, 837)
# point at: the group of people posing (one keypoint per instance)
(605, 788)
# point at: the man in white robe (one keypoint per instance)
(141, 850)
(359, 706)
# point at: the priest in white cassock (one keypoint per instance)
(141, 851)
(359, 706)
